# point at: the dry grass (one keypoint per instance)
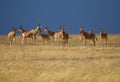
(56, 63)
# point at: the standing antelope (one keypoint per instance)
(58, 36)
(50, 33)
(64, 35)
(11, 36)
(44, 36)
(87, 35)
(103, 35)
(29, 34)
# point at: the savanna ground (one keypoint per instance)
(56, 63)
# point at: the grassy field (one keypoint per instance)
(74, 62)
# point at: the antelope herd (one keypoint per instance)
(61, 37)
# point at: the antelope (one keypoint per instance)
(64, 35)
(58, 36)
(29, 33)
(44, 36)
(11, 36)
(50, 33)
(103, 35)
(36, 30)
(87, 35)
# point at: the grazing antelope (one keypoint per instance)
(87, 35)
(29, 33)
(103, 35)
(11, 36)
(44, 37)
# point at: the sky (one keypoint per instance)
(92, 14)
